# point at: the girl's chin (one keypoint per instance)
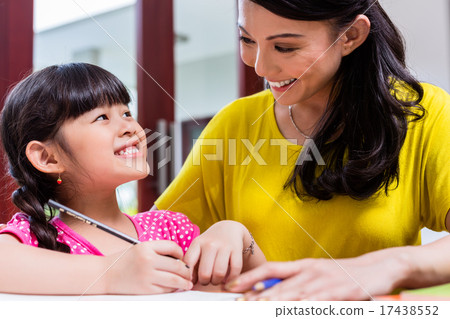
(141, 174)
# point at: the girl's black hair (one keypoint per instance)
(372, 99)
(35, 109)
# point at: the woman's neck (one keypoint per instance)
(306, 117)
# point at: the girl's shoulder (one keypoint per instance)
(165, 225)
(19, 226)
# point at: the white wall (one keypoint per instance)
(425, 24)
(206, 63)
(203, 87)
(67, 42)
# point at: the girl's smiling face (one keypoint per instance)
(298, 58)
(107, 148)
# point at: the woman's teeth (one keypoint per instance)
(282, 83)
(127, 151)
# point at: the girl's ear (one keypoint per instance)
(43, 157)
(356, 34)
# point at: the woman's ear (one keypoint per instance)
(356, 34)
(44, 157)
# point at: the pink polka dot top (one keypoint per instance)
(153, 225)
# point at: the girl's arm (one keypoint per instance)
(364, 277)
(143, 269)
(217, 255)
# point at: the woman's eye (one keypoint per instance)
(285, 50)
(102, 117)
(246, 40)
(127, 114)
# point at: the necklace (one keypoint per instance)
(295, 125)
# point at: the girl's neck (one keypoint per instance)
(101, 207)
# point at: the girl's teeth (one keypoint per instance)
(130, 150)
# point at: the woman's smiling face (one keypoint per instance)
(298, 58)
(108, 145)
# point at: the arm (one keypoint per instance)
(143, 269)
(360, 278)
(218, 256)
(430, 262)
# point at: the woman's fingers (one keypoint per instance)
(248, 279)
(293, 288)
(317, 279)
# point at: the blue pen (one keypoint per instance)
(265, 284)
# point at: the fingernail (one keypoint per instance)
(232, 284)
(184, 264)
(241, 299)
(258, 286)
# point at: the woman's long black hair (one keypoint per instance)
(35, 109)
(372, 99)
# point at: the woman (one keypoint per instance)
(345, 157)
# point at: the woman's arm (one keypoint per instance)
(360, 278)
(431, 262)
(143, 269)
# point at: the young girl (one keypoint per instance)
(69, 136)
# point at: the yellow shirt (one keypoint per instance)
(241, 161)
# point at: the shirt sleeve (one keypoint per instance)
(436, 155)
(19, 226)
(167, 225)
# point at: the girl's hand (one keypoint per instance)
(146, 269)
(216, 255)
(359, 278)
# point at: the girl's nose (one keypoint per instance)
(127, 128)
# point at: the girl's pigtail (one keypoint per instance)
(26, 199)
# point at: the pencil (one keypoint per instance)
(266, 284)
(93, 222)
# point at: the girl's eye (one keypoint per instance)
(246, 40)
(127, 114)
(102, 117)
(285, 50)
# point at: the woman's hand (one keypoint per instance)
(216, 255)
(146, 269)
(359, 278)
